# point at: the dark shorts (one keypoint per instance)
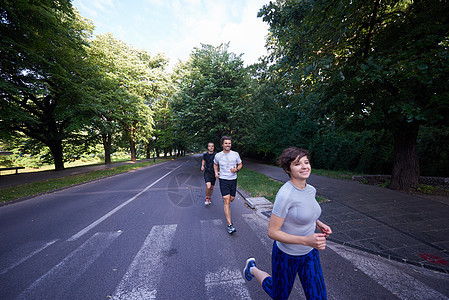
(228, 187)
(209, 177)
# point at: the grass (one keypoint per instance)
(29, 189)
(259, 185)
(334, 174)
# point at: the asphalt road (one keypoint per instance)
(146, 234)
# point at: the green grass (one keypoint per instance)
(30, 189)
(334, 174)
(259, 185)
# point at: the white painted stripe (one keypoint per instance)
(397, 282)
(55, 282)
(25, 258)
(143, 275)
(228, 278)
(88, 228)
(260, 228)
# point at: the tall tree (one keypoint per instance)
(213, 95)
(368, 64)
(130, 79)
(42, 64)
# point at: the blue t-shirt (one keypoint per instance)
(300, 210)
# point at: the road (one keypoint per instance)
(146, 234)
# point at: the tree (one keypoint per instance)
(130, 79)
(212, 95)
(41, 71)
(368, 64)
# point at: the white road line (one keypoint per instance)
(88, 228)
(142, 277)
(260, 228)
(55, 282)
(397, 282)
(227, 278)
(6, 259)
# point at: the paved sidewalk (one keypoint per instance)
(392, 224)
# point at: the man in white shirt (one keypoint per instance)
(226, 165)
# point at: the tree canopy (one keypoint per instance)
(212, 95)
(367, 64)
(41, 72)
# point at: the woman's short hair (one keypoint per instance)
(289, 155)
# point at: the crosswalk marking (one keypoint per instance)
(142, 277)
(228, 278)
(5, 261)
(397, 282)
(69, 269)
(222, 280)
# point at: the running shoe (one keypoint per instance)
(206, 202)
(250, 262)
(231, 229)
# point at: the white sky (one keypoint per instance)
(175, 27)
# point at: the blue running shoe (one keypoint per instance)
(231, 229)
(250, 262)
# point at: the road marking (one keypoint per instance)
(7, 259)
(260, 228)
(227, 280)
(142, 277)
(88, 228)
(55, 282)
(397, 282)
(218, 279)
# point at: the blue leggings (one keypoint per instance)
(285, 267)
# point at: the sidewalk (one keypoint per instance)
(392, 224)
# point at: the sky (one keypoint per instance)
(175, 27)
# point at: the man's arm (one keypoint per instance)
(217, 174)
(236, 169)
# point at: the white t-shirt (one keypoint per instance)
(226, 161)
(300, 210)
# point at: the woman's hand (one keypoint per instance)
(323, 228)
(316, 240)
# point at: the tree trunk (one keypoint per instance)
(107, 140)
(56, 150)
(405, 173)
(132, 149)
(148, 151)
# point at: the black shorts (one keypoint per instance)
(228, 187)
(209, 177)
